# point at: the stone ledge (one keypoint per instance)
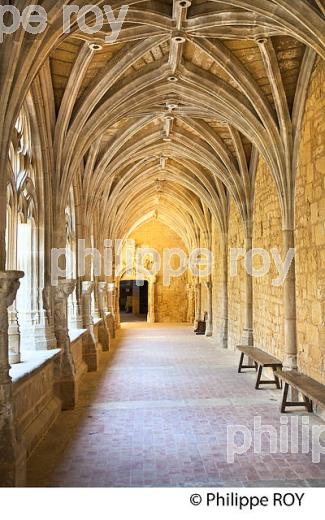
(76, 334)
(31, 363)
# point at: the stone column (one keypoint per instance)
(111, 310)
(104, 326)
(289, 294)
(95, 310)
(117, 305)
(248, 334)
(65, 376)
(103, 297)
(44, 328)
(89, 341)
(110, 297)
(197, 304)
(12, 454)
(209, 324)
(13, 336)
(190, 304)
(151, 301)
(74, 310)
(225, 316)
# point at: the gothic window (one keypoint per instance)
(22, 225)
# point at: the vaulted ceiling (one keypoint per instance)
(170, 120)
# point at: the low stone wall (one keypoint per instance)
(36, 407)
(77, 353)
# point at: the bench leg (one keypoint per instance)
(284, 398)
(241, 360)
(241, 364)
(259, 376)
(307, 403)
(276, 379)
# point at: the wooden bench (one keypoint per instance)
(201, 326)
(261, 360)
(311, 390)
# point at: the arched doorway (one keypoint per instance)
(134, 300)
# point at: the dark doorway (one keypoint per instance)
(133, 301)
(144, 299)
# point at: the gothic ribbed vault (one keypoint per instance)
(170, 120)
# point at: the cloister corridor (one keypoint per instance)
(156, 415)
(162, 221)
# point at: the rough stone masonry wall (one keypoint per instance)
(236, 286)
(170, 302)
(217, 283)
(310, 232)
(267, 234)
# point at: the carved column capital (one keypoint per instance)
(9, 285)
(111, 287)
(87, 287)
(102, 286)
(63, 290)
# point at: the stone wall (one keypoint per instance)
(35, 403)
(267, 234)
(217, 283)
(170, 302)
(236, 287)
(310, 232)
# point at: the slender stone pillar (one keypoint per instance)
(44, 328)
(152, 300)
(13, 336)
(111, 310)
(104, 327)
(117, 306)
(75, 311)
(248, 334)
(197, 305)
(209, 324)
(190, 314)
(103, 297)
(95, 310)
(89, 341)
(65, 373)
(12, 453)
(290, 311)
(110, 297)
(225, 310)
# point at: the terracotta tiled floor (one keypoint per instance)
(156, 414)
